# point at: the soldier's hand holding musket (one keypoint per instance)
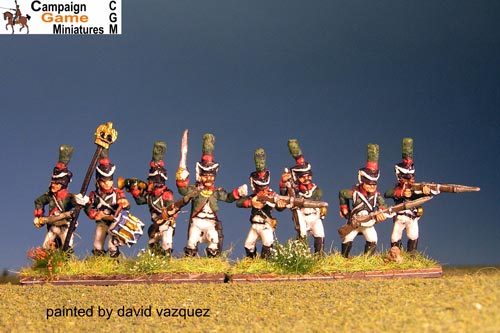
(258, 203)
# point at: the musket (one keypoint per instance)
(167, 213)
(57, 220)
(449, 188)
(292, 202)
(358, 220)
(291, 195)
(369, 219)
(105, 135)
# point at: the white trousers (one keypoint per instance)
(55, 232)
(259, 231)
(202, 231)
(101, 232)
(402, 222)
(310, 221)
(165, 234)
(369, 232)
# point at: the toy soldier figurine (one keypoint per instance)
(204, 224)
(263, 224)
(364, 199)
(60, 202)
(105, 203)
(298, 183)
(407, 219)
(158, 197)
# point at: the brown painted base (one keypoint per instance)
(394, 274)
(107, 280)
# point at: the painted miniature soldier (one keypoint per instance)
(299, 183)
(402, 191)
(158, 197)
(17, 14)
(263, 224)
(363, 199)
(204, 224)
(59, 201)
(104, 205)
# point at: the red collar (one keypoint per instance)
(159, 190)
(305, 188)
(62, 194)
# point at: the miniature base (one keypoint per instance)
(107, 280)
(165, 278)
(368, 275)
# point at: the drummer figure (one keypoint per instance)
(105, 203)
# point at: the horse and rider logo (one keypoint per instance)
(16, 17)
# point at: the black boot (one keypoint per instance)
(251, 254)
(189, 252)
(98, 253)
(114, 254)
(212, 253)
(370, 248)
(398, 244)
(411, 246)
(346, 248)
(266, 250)
(318, 244)
(156, 249)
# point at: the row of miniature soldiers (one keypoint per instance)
(297, 192)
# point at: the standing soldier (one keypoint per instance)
(104, 205)
(263, 224)
(204, 224)
(406, 219)
(364, 199)
(59, 201)
(158, 197)
(298, 182)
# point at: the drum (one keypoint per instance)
(127, 228)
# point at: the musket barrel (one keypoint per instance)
(448, 188)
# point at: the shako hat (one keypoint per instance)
(406, 168)
(60, 173)
(157, 172)
(105, 169)
(370, 173)
(261, 177)
(206, 165)
(302, 167)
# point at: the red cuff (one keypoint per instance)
(247, 203)
(182, 183)
(92, 214)
(38, 212)
(236, 194)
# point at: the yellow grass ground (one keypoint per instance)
(461, 301)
